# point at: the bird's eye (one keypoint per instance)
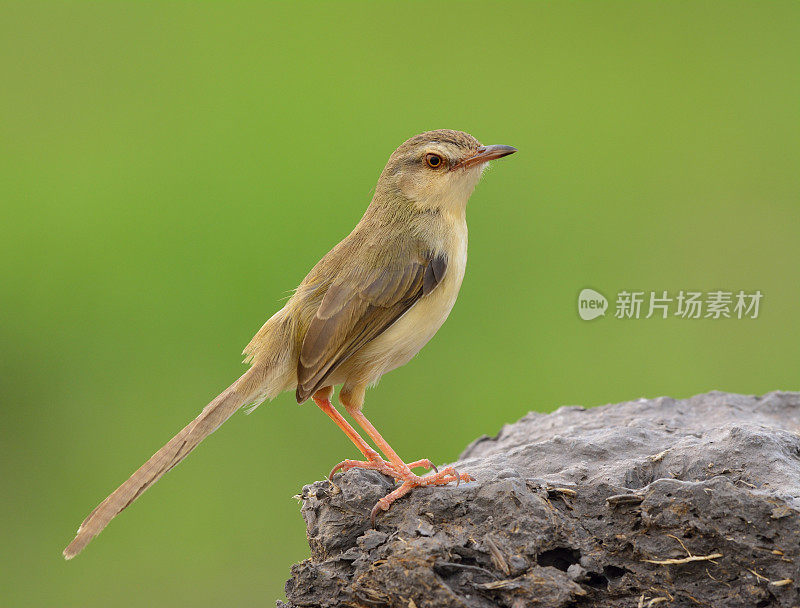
(434, 160)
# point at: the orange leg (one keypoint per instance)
(402, 471)
(382, 444)
(323, 400)
(395, 467)
(374, 461)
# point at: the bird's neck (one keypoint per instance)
(420, 217)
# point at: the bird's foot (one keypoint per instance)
(376, 463)
(411, 481)
(401, 474)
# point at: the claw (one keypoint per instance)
(375, 510)
(424, 464)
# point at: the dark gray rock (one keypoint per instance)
(656, 502)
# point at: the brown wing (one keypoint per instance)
(357, 309)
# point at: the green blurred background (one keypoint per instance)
(170, 171)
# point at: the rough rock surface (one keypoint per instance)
(655, 502)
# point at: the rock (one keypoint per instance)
(667, 502)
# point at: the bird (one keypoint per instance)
(366, 308)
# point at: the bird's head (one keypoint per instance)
(437, 170)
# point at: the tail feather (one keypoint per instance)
(240, 393)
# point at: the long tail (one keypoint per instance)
(242, 392)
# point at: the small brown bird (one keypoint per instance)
(365, 309)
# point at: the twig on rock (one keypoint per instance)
(685, 560)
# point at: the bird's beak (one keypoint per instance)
(484, 154)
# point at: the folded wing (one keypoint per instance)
(357, 308)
